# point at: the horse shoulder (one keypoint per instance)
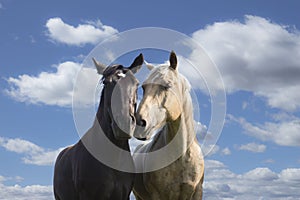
(63, 163)
(179, 178)
(62, 181)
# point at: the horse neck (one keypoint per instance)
(102, 124)
(182, 129)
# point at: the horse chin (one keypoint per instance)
(143, 134)
(138, 133)
(122, 134)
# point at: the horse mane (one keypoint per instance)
(158, 75)
(185, 83)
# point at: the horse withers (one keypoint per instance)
(177, 171)
(78, 175)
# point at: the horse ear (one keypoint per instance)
(99, 66)
(173, 60)
(137, 64)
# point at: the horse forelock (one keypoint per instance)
(110, 70)
(118, 70)
(160, 75)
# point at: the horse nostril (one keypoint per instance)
(142, 123)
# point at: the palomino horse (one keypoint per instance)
(167, 105)
(78, 175)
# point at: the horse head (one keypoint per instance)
(161, 101)
(119, 96)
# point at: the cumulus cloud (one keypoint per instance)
(253, 147)
(88, 33)
(221, 183)
(52, 88)
(33, 154)
(37, 192)
(255, 55)
(290, 175)
(261, 173)
(284, 133)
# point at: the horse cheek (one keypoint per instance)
(173, 108)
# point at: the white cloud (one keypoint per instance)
(214, 164)
(36, 192)
(2, 178)
(285, 133)
(261, 173)
(46, 157)
(290, 174)
(221, 183)
(17, 179)
(33, 154)
(201, 130)
(91, 32)
(52, 88)
(253, 147)
(283, 116)
(226, 151)
(20, 146)
(256, 55)
(209, 149)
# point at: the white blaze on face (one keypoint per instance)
(121, 74)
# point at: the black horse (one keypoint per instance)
(78, 174)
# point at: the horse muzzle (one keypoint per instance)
(124, 129)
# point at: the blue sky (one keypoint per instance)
(255, 45)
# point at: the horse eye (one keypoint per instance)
(165, 87)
